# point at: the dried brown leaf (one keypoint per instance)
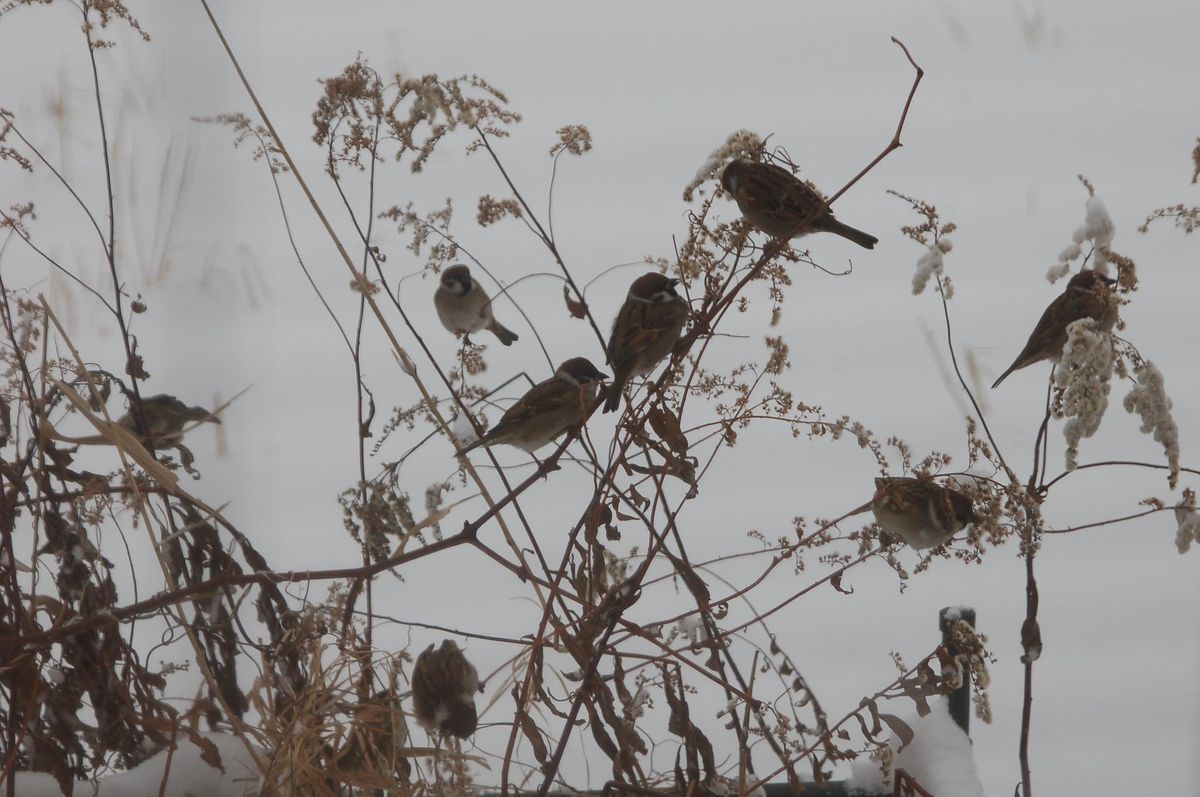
(898, 727)
(666, 426)
(576, 308)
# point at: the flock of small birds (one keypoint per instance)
(919, 510)
(922, 512)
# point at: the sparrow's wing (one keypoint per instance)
(770, 190)
(800, 201)
(640, 327)
(545, 398)
(905, 494)
(1050, 334)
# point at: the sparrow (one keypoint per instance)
(1087, 296)
(647, 327)
(778, 203)
(444, 684)
(464, 307)
(548, 409)
(164, 417)
(921, 511)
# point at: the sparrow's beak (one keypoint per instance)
(671, 283)
(1107, 280)
(602, 376)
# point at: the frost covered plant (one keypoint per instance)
(930, 263)
(742, 144)
(1097, 227)
(1083, 376)
(1189, 522)
(1148, 399)
(932, 234)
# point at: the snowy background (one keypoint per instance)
(1018, 99)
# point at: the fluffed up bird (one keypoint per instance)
(548, 409)
(778, 203)
(647, 327)
(921, 511)
(464, 307)
(444, 684)
(164, 417)
(1087, 295)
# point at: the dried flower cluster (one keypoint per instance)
(740, 144)
(1097, 230)
(1082, 379)
(933, 234)
(332, 704)
(1148, 398)
(575, 139)
(1187, 518)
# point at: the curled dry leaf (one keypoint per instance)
(531, 732)
(576, 308)
(666, 426)
(898, 727)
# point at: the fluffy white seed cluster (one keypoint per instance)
(1098, 228)
(742, 144)
(1148, 399)
(1188, 519)
(462, 429)
(692, 627)
(1083, 374)
(930, 263)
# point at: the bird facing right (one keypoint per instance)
(444, 684)
(646, 329)
(164, 417)
(547, 409)
(775, 201)
(1087, 295)
(921, 511)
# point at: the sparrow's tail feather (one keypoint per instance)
(865, 240)
(616, 390)
(1004, 375)
(470, 447)
(506, 336)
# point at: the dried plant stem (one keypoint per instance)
(833, 729)
(894, 144)
(1012, 476)
(545, 237)
(1112, 462)
(355, 273)
(1028, 630)
(127, 450)
(110, 248)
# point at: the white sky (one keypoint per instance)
(1018, 99)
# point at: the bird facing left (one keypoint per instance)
(463, 305)
(777, 202)
(547, 409)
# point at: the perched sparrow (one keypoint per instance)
(1087, 296)
(464, 307)
(444, 684)
(646, 328)
(164, 417)
(776, 202)
(921, 511)
(548, 409)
